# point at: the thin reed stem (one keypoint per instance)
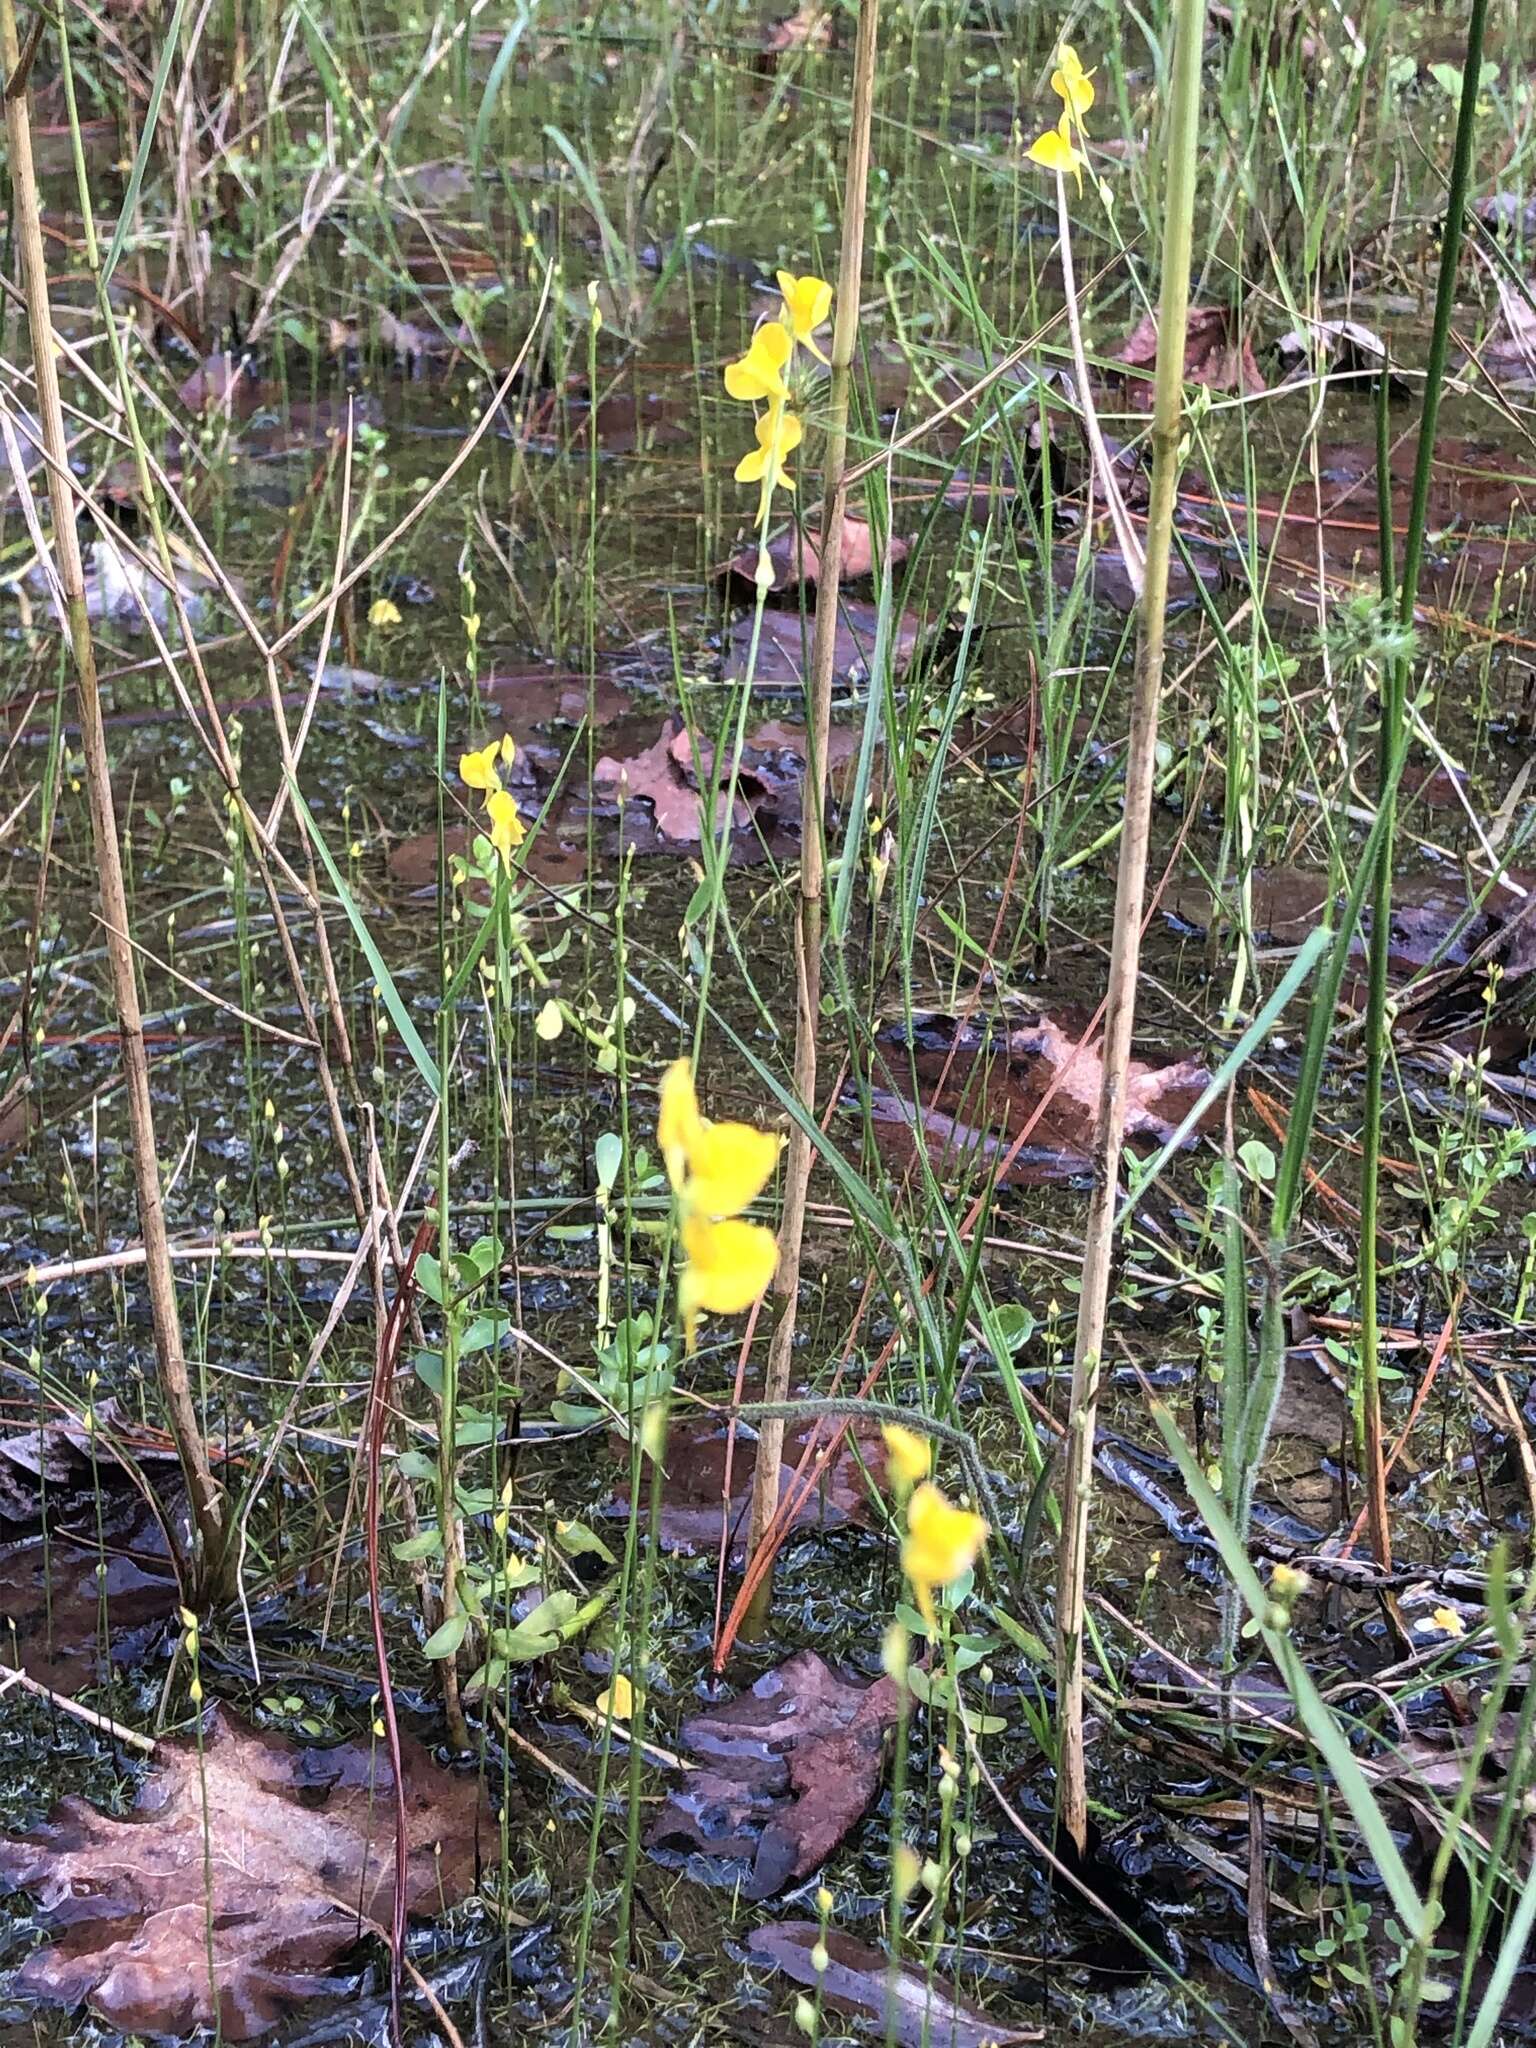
(1130, 895)
(204, 1573)
(813, 795)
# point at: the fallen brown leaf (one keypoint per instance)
(796, 555)
(1214, 353)
(981, 1085)
(238, 1878)
(920, 2012)
(808, 28)
(786, 1770)
(784, 648)
(695, 1510)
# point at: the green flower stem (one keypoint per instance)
(1391, 749)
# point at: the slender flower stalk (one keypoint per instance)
(1393, 742)
(1061, 150)
(1130, 897)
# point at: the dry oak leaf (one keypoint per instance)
(1214, 353)
(785, 1770)
(299, 1846)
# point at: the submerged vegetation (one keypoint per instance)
(767, 1250)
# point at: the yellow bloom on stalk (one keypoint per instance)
(479, 770)
(730, 1264)
(716, 1170)
(760, 372)
(908, 1456)
(779, 433)
(1054, 149)
(507, 830)
(807, 302)
(1073, 86)
(942, 1544)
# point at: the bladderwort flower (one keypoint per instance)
(716, 1171)
(1073, 86)
(807, 302)
(507, 829)
(1058, 149)
(481, 770)
(942, 1543)
(759, 373)
(762, 377)
(779, 432)
(908, 1456)
(1056, 152)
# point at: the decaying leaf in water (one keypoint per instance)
(920, 2012)
(1216, 353)
(768, 779)
(299, 1848)
(784, 1771)
(1346, 347)
(796, 555)
(979, 1085)
(695, 1509)
(72, 1606)
(1442, 944)
(784, 646)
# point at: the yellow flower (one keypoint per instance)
(807, 302)
(478, 771)
(1073, 86)
(1448, 1622)
(943, 1542)
(383, 612)
(730, 1264)
(1054, 150)
(507, 831)
(617, 1698)
(715, 1169)
(908, 1457)
(778, 432)
(760, 372)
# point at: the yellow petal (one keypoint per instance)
(678, 1123)
(728, 1167)
(383, 612)
(478, 770)
(759, 373)
(617, 1698)
(1054, 150)
(908, 1456)
(943, 1542)
(791, 432)
(507, 832)
(751, 466)
(807, 302)
(729, 1265)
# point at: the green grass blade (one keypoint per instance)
(399, 1015)
(151, 121)
(1316, 1716)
